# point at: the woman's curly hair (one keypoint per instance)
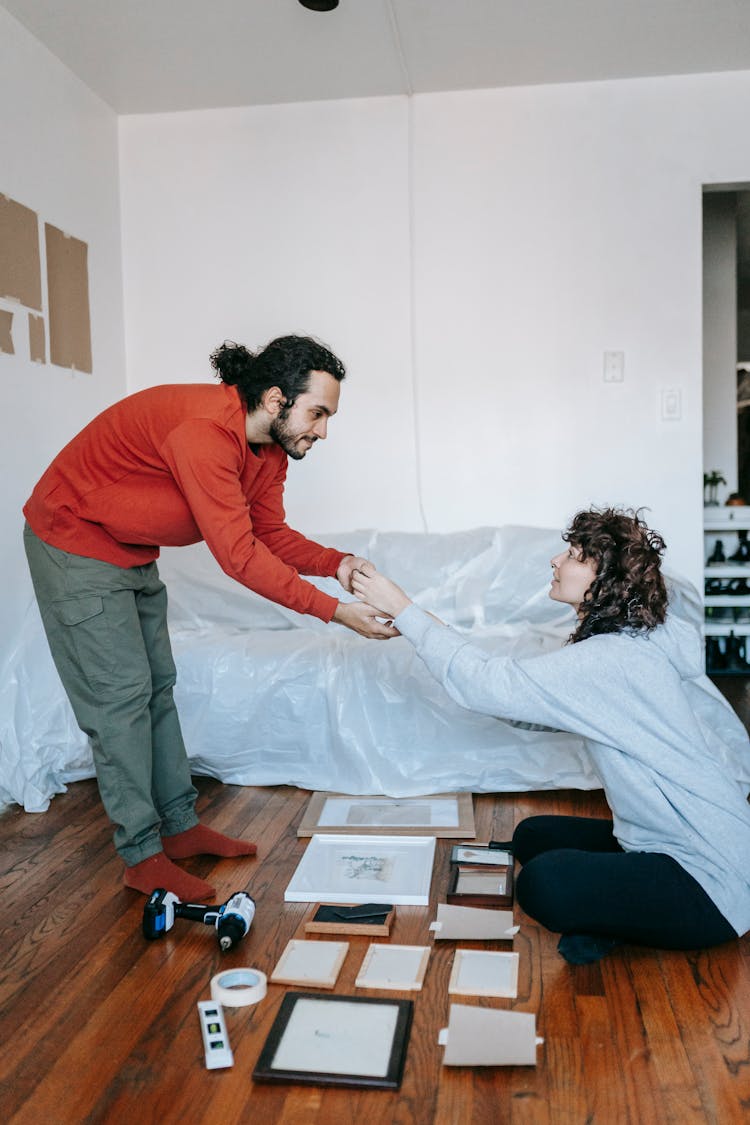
(628, 593)
(285, 363)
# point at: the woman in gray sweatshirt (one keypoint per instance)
(672, 868)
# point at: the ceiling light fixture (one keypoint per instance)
(320, 5)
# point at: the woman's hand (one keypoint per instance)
(377, 590)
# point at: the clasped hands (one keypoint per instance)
(378, 598)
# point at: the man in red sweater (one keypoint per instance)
(169, 466)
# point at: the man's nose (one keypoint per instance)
(320, 429)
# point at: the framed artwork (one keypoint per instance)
(364, 869)
(313, 963)
(480, 854)
(477, 972)
(369, 919)
(400, 967)
(441, 815)
(480, 886)
(337, 1041)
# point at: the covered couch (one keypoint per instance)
(269, 697)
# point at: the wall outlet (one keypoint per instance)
(614, 367)
(671, 406)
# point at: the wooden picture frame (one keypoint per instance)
(480, 885)
(479, 972)
(398, 967)
(312, 964)
(353, 1041)
(363, 869)
(343, 918)
(443, 815)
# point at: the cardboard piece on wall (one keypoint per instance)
(68, 291)
(6, 332)
(20, 269)
(488, 1037)
(37, 343)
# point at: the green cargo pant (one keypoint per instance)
(107, 630)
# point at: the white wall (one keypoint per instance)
(720, 338)
(550, 224)
(58, 156)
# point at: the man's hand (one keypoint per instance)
(377, 590)
(363, 619)
(347, 566)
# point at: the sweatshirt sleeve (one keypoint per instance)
(205, 460)
(559, 690)
(269, 522)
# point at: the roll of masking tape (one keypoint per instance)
(236, 988)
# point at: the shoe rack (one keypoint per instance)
(727, 590)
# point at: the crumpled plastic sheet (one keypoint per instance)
(268, 697)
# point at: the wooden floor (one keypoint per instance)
(98, 1025)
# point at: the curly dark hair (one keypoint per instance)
(285, 363)
(628, 593)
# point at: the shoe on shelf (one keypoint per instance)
(736, 661)
(716, 657)
(717, 558)
(742, 554)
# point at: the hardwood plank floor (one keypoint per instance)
(98, 1025)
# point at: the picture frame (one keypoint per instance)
(480, 885)
(476, 854)
(397, 967)
(313, 964)
(363, 869)
(332, 1040)
(347, 918)
(443, 815)
(480, 972)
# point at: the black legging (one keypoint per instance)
(576, 879)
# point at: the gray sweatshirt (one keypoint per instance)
(672, 756)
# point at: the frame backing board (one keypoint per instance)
(359, 869)
(400, 967)
(314, 964)
(449, 815)
(489, 1037)
(337, 1041)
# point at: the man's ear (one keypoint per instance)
(273, 401)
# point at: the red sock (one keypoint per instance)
(159, 871)
(200, 840)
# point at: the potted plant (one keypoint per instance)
(711, 481)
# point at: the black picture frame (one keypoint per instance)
(265, 1071)
(477, 874)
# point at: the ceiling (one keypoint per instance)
(148, 56)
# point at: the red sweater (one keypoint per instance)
(170, 466)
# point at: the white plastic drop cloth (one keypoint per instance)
(268, 697)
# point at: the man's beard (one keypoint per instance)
(288, 441)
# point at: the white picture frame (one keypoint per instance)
(445, 815)
(479, 972)
(397, 967)
(358, 869)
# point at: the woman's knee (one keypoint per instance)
(541, 893)
(531, 837)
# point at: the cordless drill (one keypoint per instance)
(232, 919)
